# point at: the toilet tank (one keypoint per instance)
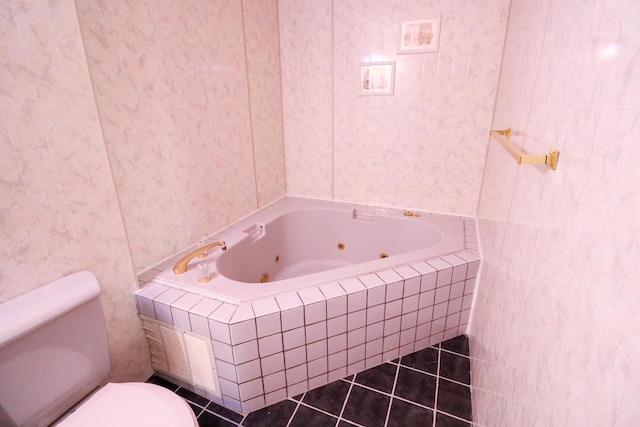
(53, 350)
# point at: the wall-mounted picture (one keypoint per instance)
(376, 78)
(419, 35)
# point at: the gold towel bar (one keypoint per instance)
(550, 159)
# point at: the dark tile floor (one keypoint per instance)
(428, 388)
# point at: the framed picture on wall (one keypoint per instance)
(419, 35)
(376, 78)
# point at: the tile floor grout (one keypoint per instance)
(299, 403)
(346, 399)
(308, 405)
(294, 411)
(435, 403)
(393, 389)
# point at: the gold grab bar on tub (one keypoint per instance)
(181, 266)
(550, 159)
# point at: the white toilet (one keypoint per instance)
(53, 354)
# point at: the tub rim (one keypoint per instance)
(226, 289)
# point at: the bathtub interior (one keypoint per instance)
(308, 241)
(301, 242)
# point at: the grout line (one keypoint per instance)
(420, 405)
(419, 371)
(436, 375)
(297, 406)
(384, 393)
(279, 74)
(452, 416)
(346, 399)
(435, 400)
(393, 390)
(333, 107)
(398, 364)
(175, 390)
(225, 418)
(455, 382)
(251, 125)
(379, 391)
(319, 410)
(456, 353)
(193, 403)
(392, 395)
(400, 397)
(396, 397)
(349, 422)
(199, 413)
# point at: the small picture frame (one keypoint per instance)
(419, 35)
(376, 78)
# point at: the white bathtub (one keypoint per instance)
(300, 243)
(332, 306)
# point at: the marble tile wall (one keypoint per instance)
(553, 334)
(189, 98)
(260, 18)
(58, 208)
(307, 95)
(423, 147)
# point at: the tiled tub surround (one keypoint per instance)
(273, 348)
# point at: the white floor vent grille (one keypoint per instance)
(181, 354)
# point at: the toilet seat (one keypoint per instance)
(132, 404)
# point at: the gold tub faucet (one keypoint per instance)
(181, 266)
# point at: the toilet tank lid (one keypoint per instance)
(27, 312)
